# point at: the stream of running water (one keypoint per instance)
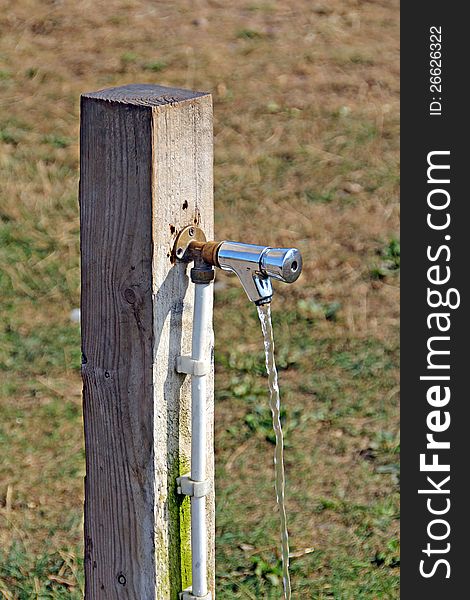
(264, 312)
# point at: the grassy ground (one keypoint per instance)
(306, 152)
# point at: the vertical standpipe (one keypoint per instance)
(198, 440)
(196, 484)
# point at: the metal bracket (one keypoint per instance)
(187, 236)
(188, 595)
(185, 364)
(188, 487)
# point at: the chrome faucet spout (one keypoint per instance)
(256, 265)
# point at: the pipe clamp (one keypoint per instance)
(186, 364)
(188, 595)
(188, 487)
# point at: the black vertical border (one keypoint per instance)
(420, 134)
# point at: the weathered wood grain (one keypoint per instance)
(146, 172)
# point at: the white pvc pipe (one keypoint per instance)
(201, 326)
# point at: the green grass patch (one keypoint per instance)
(249, 34)
(50, 576)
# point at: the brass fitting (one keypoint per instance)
(192, 241)
(209, 253)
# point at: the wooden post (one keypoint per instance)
(146, 172)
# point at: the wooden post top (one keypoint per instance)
(144, 94)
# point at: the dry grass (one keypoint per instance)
(306, 152)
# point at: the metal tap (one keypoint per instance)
(254, 265)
